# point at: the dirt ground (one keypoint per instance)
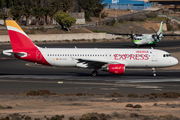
(75, 106)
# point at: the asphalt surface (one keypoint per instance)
(17, 76)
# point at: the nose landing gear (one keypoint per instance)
(154, 72)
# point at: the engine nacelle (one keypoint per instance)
(116, 68)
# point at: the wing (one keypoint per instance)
(94, 64)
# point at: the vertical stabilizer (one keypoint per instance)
(19, 39)
(161, 28)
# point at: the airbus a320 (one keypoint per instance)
(112, 60)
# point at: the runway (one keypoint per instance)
(17, 76)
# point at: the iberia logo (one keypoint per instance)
(116, 68)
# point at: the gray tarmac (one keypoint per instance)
(17, 76)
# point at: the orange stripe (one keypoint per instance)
(12, 23)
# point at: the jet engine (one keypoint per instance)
(115, 68)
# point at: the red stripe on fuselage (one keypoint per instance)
(33, 55)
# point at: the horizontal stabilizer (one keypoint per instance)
(11, 53)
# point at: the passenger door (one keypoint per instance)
(154, 57)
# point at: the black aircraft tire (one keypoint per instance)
(94, 73)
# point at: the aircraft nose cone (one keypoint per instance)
(174, 61)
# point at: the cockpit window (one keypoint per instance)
(166, 55)
(138, 39)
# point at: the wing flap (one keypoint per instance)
(93, 63)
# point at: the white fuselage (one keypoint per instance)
(129, 57)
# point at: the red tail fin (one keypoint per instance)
(19, 39)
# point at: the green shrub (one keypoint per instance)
(137, 106)
(80, 94)
(39, 92)
(32, 31)
(71, 118)
(42, 29)
(134, 115)
(139, 17)
(169, 27)
(1, 107)
(121, 20)
(129, 105)
(37, 119)
(103, 15)
(27, 118)
(166, 95)
(115, 94)
(133, 95)
(171, 94)
(94, 116)
(57, 117)
(151, 15)
(178, 26)
(127, 18)
(111, 23)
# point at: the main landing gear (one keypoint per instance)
(94, 73)
(154, 72)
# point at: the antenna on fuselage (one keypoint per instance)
(151, 47)
(75, 47)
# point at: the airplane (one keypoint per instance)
(145, 39)
(112, 60)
